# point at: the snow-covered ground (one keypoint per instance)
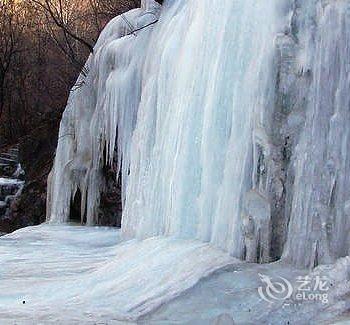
(78, 275)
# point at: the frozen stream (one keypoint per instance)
(77, 275)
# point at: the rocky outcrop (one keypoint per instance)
(35, 154)
(11, 185)
(8, 161)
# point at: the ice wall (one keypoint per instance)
(319, 225)
(194, 104)
(191, 152)
(229, 122)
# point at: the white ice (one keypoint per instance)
(320, 216)
(77, 274)
(180, 100)
(196, 107)
(69, 274)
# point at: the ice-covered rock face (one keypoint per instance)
(229, 122)
(319, 225)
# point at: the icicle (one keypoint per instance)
(101, 113)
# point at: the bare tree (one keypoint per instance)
(43, 47)
(11, 32)
(65, 22)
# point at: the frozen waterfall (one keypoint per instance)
(229, 124)
(191, 149)
(184, 98)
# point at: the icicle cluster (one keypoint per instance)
(101, 112)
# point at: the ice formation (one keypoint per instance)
(231, 130)
(230, 127)
(103, 102)
(185, 163)
(319, 225)
(10, 189)
(84, 275)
